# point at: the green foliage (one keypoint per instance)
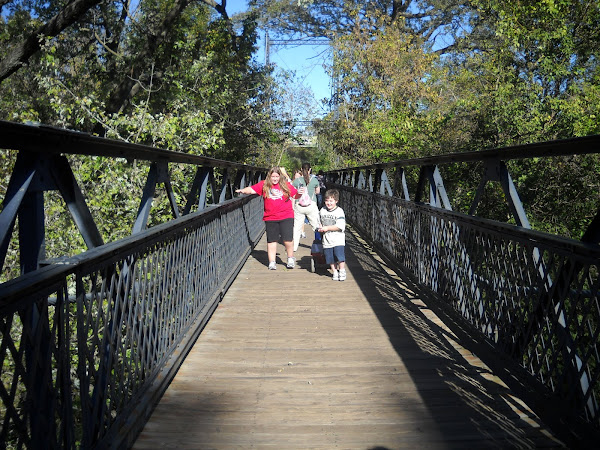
(385, 91)
(524, 72)
(561, 195)
(194, 86)
(542, 60)
(195, 89)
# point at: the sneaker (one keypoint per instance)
(291, 262)
(272, 265)
(303, 235)
(336, 275)
(343, 275)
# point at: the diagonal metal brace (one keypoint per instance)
(437, 191)
(496, 170)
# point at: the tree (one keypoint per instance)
(385, 95)
(520, 72)
(169, 73)
(431, 20)
(30, 44)
(192, 86)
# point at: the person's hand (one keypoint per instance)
(301, 190)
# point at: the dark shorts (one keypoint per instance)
(283, 228)
(334, 254)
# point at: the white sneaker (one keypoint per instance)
(291, 262)
(272, 265)
(342, 275)
(303, 235)
(336, 275)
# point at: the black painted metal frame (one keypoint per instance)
(374, 177)
(532, 296)
(88, 344)
(42, 166)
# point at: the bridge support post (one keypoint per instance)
(225, 186)
(400, 180)
(33, 175)
(198, 190)
(147, 197)
(592, 233)
(496, 170)
(382, 183)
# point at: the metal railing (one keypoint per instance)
(533, 296)
(88, 344)
(42, 166)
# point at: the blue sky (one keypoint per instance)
(306, 60)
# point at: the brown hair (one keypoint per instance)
(334, 193)
(306, 172)
(283, 184)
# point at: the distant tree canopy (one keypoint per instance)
(175, 74)
(413, 77)
(419, 77)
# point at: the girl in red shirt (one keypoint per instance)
(279, 213)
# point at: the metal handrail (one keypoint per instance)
(86, 373)
(491, 163)
(90, 342)
(534, 297)
(38, 137)
(41, 165)
(561, 147)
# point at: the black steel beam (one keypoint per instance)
(563, 147)
(17, 136)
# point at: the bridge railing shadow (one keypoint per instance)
(529, 298)
(440, 354)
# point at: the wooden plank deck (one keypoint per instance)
(292, 359)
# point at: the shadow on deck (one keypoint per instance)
(292, 359)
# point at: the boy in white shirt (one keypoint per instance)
(334, 240)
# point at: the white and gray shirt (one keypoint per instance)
(334, 217)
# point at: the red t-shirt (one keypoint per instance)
(277, 207)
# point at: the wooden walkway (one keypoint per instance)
(292, 359)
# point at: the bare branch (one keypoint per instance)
(219, 7)
(106, 47)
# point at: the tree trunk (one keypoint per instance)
(22, 51)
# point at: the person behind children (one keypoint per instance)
(322, 188)
(333, 227)
(278, 215)
(298, 174)
(310, 211)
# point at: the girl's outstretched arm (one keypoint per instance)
(246, 190)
